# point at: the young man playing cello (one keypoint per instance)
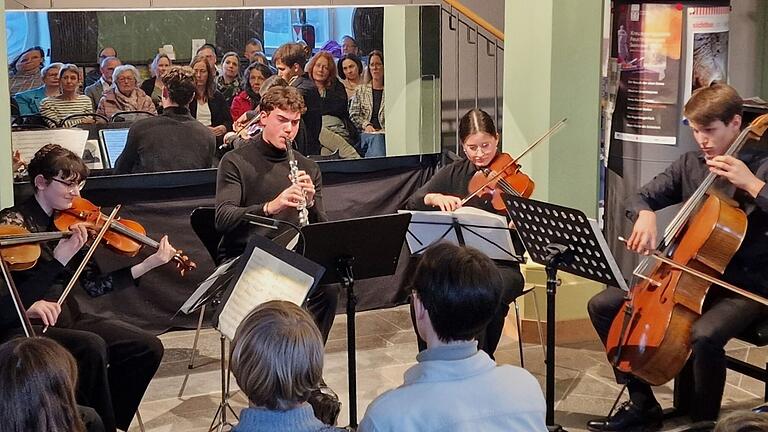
(714, 115)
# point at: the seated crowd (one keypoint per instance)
(344, 99)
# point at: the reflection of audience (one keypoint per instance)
(228, 82)
(290, 60)
(153, 86)
(24, 70)
(208, 52)
(209, 106)
(367, 106)
(253, 47)
(248, 99)
(29, 101)
(173, 140)
(94, 74)
(277, 360)
(97, 89)
(125, 95)
(349, 46)
(37, 387)
(335, 134)
(350, 70)
(456, 291)
(69, 102)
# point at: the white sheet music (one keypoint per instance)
(189, 305)
(29, 142)
(264, 278)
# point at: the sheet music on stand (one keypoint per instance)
(470, 226)
(30, 141)
(210, 286)
(266, 271)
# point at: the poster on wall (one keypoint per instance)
(707, 47)
(647, 43)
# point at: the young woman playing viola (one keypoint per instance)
(133, 355)
(444, 191)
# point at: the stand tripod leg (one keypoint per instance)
(191, 364)
(351, 358)
(221, 411)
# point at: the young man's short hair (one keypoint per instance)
(277, 355)
(284, 98)
(716, 102)
(180, 82)
(460, 287)
(290, 54)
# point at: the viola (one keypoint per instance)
(20, 249)
(503, 175)
(124, 236)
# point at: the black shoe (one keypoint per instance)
(629, 417)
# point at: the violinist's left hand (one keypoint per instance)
(305, 182)
(165, 253)
(736, 172)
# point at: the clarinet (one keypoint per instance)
(302, 208)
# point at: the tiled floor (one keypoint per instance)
(180, 399)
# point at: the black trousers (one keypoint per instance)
(115, 361)
(322, 304)
(725, 316)
(488, 340)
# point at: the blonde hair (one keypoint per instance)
(277, 356)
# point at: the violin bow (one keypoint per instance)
(555, 128)
(85, 260)
(17, 303)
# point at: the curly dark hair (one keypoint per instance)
(53, 159)
(266, 72)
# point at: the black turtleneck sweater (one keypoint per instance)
(171, 141)
(249, 177)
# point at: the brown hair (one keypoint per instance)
(290, 54)
(53, 159)
(380, 55)
(286, 98)
(476, 121)
(277, 355)
(743, 421)
(210, 83)
(331, 67)
(37, 382)
(709, 104)
(180, 83)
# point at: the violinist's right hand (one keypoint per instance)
(445, 202)
(68, 247)
(46, 311)
(643, 238)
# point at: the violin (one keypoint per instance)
(503, 175)
(20, 249)
(124, 236)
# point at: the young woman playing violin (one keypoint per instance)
(132, 354)
(444, 191)
(714, 115)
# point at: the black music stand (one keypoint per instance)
(561, 238)
(355, 249)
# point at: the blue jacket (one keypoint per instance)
(29, 101)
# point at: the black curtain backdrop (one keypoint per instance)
(163, 202)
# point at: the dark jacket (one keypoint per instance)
(313, 118)
(148, 85)
(219, 113)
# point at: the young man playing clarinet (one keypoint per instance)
(714, 115)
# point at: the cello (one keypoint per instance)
(650, 339)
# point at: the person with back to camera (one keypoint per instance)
(173, 140)
(454, 386)
(37, 389)
(153, 86)
(277, 360)
(743, 421)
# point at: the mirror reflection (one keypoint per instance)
(104, 73)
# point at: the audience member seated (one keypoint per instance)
(29, 101)
(97, 89)
(173, 140)
(252, 47)
(367, 107)
(37, 387)
(350, 70)
(454, 386)
(349, 46)
(743, 421)
(24, 70)
(153, 86)
(277, 360)
(248, 99)
(262, 58)
(94, 74)
(290, 60)
(208, 52)
(338, 132)
(229, 82)
(209, 106)
(125, 95)
(69, 102)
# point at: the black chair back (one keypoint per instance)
(203, 221)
